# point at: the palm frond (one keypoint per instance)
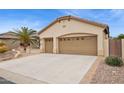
(26, 35)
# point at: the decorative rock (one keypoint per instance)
(108, 75)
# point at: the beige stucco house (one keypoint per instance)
(73, 35)
(9, 40)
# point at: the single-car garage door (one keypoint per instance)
(49, 45)
(86, 45)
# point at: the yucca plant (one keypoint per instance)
(26, 37)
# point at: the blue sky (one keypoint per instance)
(38, 19)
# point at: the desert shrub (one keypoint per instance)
(3, 47)
(114, 61)
(2, 43)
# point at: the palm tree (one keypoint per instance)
(26, 36)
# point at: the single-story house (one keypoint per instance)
(73, 35)
(9, 40)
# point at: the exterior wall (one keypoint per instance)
(11, 43)
(72, 26)
(42, 45)
(55, 45)
(106, 45)
(123, 48)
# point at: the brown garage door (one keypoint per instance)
(49, 45)
(78, 45)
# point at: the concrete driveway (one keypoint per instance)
(47, 68)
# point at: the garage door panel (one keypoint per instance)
(49, 45)
(78, 45)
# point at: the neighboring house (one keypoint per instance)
(12, 42)
(72, 35)
(9, 40)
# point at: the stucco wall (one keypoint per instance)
(123, 48)
(11, 43)
(73, 26)
(42, 45)
(106, 47)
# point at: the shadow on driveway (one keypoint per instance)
(4, 81)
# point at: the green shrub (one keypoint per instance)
(114, 61)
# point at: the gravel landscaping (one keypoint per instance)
(10, 54)
(7, 55)
(106, 74)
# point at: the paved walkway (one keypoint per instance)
(48, 68)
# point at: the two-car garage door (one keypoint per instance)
(78, 45)
(86, 45)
